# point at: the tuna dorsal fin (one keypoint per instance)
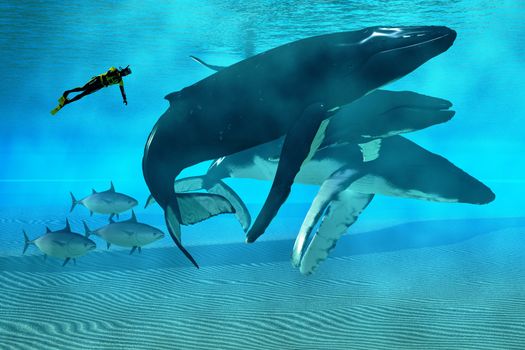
(68, 227)
(48, 230)
(133, 217)
(93, 191)
(112, 188)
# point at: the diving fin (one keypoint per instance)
(61, 103)
(55, 110)
(300, 144)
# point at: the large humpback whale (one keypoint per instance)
(391, 166)
(379, 114)
(286, 91)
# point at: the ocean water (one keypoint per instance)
(409, 274)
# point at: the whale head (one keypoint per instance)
(346, 64)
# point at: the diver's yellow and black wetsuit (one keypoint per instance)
(112, 77)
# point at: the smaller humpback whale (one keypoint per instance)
(129, 233)
(106, 202)
(291, 90)
(63, 244)
(349, 182)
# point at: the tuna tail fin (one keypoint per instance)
(87, 231)
(27, 242)
(149, 201)
(74, 202)
(217, 187)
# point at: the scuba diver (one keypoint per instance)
(111, 77)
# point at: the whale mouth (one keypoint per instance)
(420, 36)
(423, 43)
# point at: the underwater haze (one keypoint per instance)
(409, 274)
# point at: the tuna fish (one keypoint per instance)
(62, 244)
(129, 233)
(106, 202)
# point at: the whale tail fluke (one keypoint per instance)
(197, 207)
(191, 208)
(171, 215)
(215, 187)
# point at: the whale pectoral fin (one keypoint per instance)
(190, 208)
(299, 145)
(436, 178)
(329, 191)
(340, 215)
(196, 207)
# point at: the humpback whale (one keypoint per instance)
(291, 90)
(393, 166)
(105, 202)
(63, 243)
(129, 233)
(401, 169)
